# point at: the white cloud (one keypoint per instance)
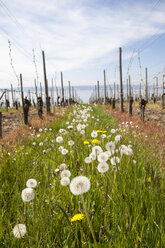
(73, 33)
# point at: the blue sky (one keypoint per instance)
(81, 38)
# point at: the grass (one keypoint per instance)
(125, 205)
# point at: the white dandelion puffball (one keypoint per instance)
(103, 136)
(97, 150)
(60, 148)
(64, 151)
(19, 230)
(65, 181)
(103, 157)
(110, 146)
(27, 194)
(92, 156)
(118, 138)
(94, 134)
(103, 167)
(59, 139)
(65, 173)
(62, 166)
(82, 132)
(31, 183)
(88, 160)
(115, 160)
(41, 144)
(79, 185)
(113, 130)
(70, 142)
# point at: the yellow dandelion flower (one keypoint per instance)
(149, 179)
(99, 131)
(77, 217)
(95, 141)
(104, 131)
(86, 142)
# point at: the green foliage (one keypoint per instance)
(125, 205)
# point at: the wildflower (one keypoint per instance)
(113, 130)
(65, 173)
(103, 136)
(40, 130)
(94, 134)
(82, 132)
(92, 156)
(38, 135)
(99, 131)
(19, 230)
(97, 150)
(95, 141)
(105, 131)
(60, 148)
(65, 181)
(86, 142)
(88, 160)
(77, 217)
(103, 157)
(103, 167)
(56, 170)
(64, 151)
(27, 194)
(110, 146)
(118, 138)
(31, 183)
(70, 127)
(115, 160)
(59, 139)
(63, 166)
(149, 179)
(79, 185)
(134, 161)
(70, 142)
(41, 144)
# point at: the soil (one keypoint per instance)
(12, 120)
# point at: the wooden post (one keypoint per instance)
(69, 94)
(46, 84)
(0, 124)
(105, 87)
(12, 95)
(157, 88)
(129, 82)
(140, 90)
(121, 83)
(62, 88)
(22, 98)
(73, 93)
(36, 89)
(146, 90)
(98, 91)
(127, 89)
(163, 94)
(41, 89)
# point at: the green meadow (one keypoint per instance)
(121, 202)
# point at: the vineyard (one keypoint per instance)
(82, 124)
(86, 179)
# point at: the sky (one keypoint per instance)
(81, 38)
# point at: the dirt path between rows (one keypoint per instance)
(13, 120)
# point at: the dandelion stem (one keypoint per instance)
(26, 213)
(89, 222)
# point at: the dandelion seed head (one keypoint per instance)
(27, 194)
(31, 183)
(103, 157)
(59, 139)
(65, 181)
(79, 185)
(65, 173)
(103, 167)
(19, 230)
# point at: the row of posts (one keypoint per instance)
(61, 101)
(95, 98)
